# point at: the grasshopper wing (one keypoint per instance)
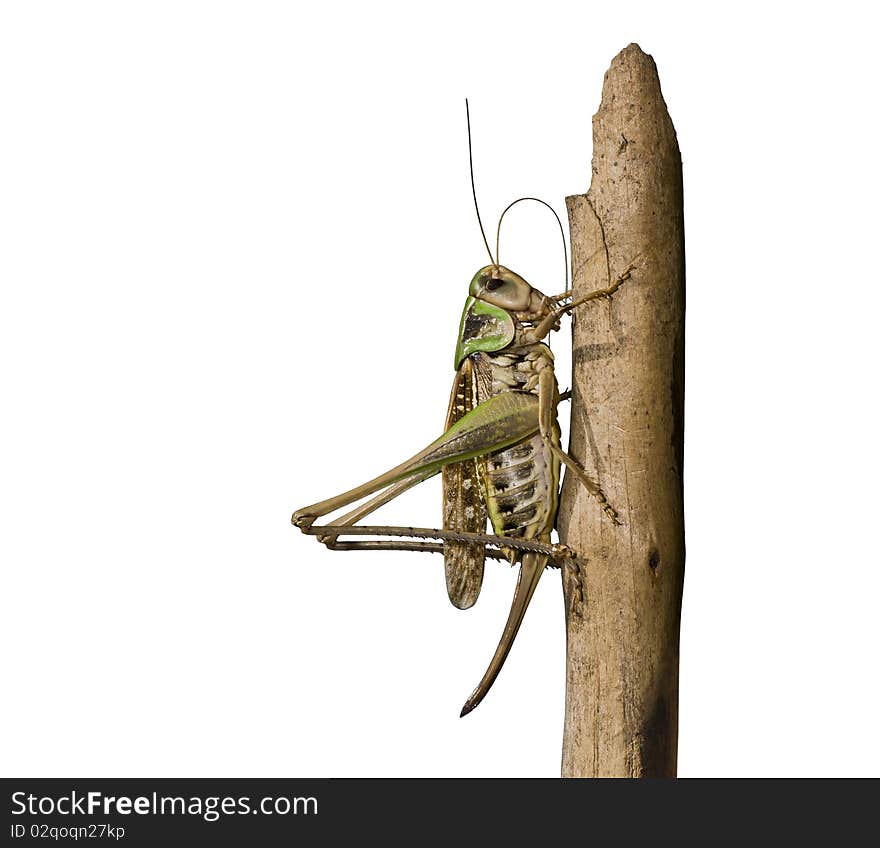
(463, 507)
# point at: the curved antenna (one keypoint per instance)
(558, 221)
(473, 186)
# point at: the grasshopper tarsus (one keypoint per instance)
(611, 512)
(303, 520)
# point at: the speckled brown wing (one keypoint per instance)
(463, 507)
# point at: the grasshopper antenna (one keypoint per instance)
(473, 185)
(558, 221)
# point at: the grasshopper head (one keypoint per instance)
(501, 287)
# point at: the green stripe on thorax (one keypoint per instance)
(483, 328)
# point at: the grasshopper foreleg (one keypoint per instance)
(549, 322)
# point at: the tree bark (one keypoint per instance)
(623, 602)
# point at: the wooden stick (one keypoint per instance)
(623, 612)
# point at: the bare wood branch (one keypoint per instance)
(627, 424)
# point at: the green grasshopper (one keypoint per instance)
(500, 453)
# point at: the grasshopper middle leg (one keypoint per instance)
(546, 405)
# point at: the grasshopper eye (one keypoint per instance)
(492, 284)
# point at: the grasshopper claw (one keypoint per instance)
(303, 520)
(561, 552)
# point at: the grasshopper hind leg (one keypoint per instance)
(496, 423)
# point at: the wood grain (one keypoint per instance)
(623, 604)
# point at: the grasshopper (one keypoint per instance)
(499, 455)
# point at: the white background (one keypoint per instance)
(236, 239)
